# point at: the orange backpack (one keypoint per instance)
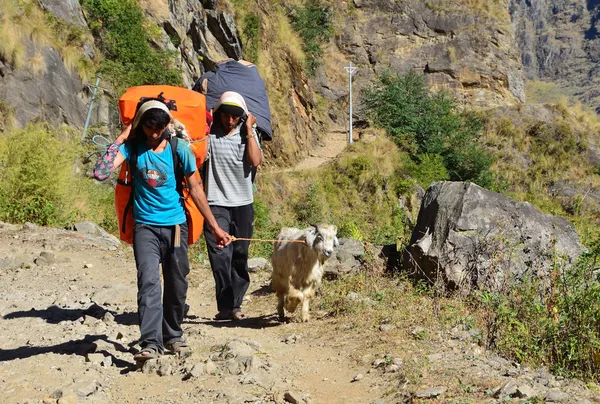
(189, 108)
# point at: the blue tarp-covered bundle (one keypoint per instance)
(243, 78)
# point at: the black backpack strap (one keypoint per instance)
(132, 167)
(177, 166)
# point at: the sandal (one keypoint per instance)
(233, 315)
(223, 315)
(177, 346)
(150, 352)
(238, 315)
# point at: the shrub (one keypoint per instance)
(429, 124)
(37, 182)
(313, 23)
(553, 321)
(123, 37)
(251, 37)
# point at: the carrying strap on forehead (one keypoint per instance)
(146, 107)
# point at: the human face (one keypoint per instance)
(153, 134)
(229, 122)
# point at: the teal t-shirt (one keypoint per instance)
(156, 200)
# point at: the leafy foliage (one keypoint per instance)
(123, 38)
(37, 182)
(553, 321)
(251, 37)
(314, 24)
(429, 124)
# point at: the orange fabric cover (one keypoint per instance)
(191, 112)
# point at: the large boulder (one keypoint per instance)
(473, 237)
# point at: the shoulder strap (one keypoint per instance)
(177, 167)
(132, 167)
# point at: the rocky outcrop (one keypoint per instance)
(56, 96)
(559, 42)
(472, 237)
(200, 35)
(470, 52)
(68, 10)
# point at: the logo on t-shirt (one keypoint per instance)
(154, 178)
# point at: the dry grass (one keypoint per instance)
(12, 48)
(24, 24)
(37, 64)
(487, 9)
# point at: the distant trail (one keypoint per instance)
(331, 146)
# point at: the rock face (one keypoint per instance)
(200, 35)
(473, 237)
(68, 10)
(559, 42)
(55, 96)
(468, 51)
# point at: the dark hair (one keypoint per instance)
(156, 118)
(233, 110)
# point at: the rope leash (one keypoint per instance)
(260, 240)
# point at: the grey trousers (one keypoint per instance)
(230, 264)
(160, 318)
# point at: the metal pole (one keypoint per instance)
(89, 114)
(351, 70)
(351, 138)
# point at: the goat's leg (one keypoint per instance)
(305, 315)
(280, 304)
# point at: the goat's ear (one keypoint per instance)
(311, 234)
(336, 242)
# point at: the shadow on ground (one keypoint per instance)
(56, 314)
(259, 322)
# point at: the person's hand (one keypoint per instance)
(250, 120)
(223, 238)
(125, 132)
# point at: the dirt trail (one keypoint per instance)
(49, 334)
(331, 146)
(68, 329)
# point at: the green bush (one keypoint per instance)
(313, 23)
(553, 321)
(429, 124)
(37, 182)
(427, 168)
(251, 37)
(122, 35)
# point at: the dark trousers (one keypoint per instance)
(230, 264)
(160, 319)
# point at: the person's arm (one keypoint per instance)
(113, 158)
(253, 152)
(199, 198)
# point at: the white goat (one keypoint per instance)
(298, 267)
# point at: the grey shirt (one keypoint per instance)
(228, 179)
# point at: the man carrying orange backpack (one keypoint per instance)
(160, 231)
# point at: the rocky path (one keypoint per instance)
(68, 330)
(331, 146)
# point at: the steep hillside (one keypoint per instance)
(559, 43)
(50, 54)
(466, 47)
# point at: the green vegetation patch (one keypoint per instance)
(552, 321)
(251, 37)
(123, 36)
(37, 182)
(359, 193)
(313, 22)
(439, 138)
